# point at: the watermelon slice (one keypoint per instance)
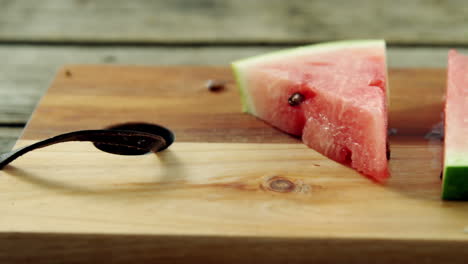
(332, 94)
(455, 174)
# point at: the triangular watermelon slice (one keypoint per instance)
(334, 95)
(455, 174)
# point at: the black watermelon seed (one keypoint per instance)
(296, 99)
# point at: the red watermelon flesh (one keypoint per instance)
(343, 114)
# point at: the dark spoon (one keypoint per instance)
(124, 139)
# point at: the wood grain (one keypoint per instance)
(250, 192)
(230, 189)
(213, 21)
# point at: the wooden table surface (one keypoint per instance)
(37, 37)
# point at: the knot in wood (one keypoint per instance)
(280, 184)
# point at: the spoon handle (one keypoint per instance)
(124, 142)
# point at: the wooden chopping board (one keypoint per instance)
(230, 190)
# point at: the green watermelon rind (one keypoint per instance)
(237, 66)
(455, 177)
(455, 182)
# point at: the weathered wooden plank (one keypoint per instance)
(8, 136)
(25, 71)
(232, 21)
